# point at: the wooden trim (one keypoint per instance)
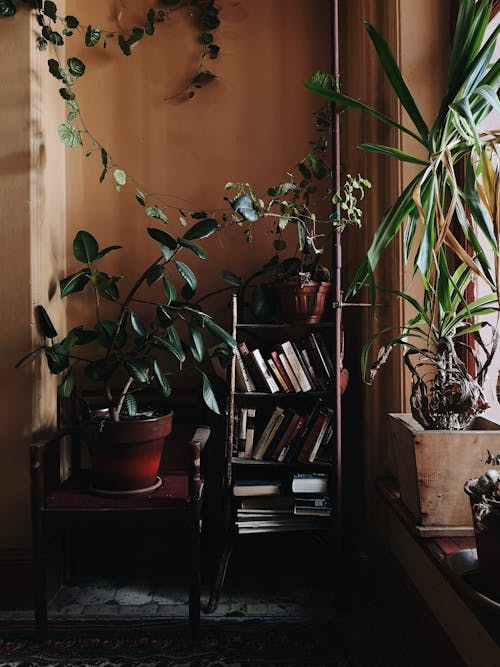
(15, 579)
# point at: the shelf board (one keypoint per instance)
(280, 395)
(284, 325)
(293, 465)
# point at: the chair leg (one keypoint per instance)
(219, 577)
(195, 567)
(40, 585)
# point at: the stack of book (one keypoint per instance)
(286, 435)
(310, 492)
(269, 513)
(288, 367)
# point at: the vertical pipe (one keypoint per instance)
(337, 305)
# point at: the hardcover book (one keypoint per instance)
(310, 483)
(250, 434)
(266, 376)
(268, 433)
(296, 365)
(256, 487)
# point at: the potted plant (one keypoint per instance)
(137, 341)
(296, 284)
(426, 213)
(484, 495)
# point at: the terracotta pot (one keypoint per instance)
(125, 456)
(487, 532)
(304, 304)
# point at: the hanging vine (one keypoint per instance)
(55, 29)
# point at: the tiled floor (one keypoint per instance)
(264, 579)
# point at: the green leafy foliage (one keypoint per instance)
(70, 135)
(92, 36)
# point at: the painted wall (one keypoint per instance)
(252, 123)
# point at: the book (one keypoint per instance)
(288, 370)
(315, 436)
(251, 367)
(281, 431)
(268, 432)
(319, 341)
(250, 434)
(313, 482)
(277, 375)
(318, 360)
(243, 378)
(305, 369)
(301, 436)
(297, 368)
(266, 376)
(256, 487)
(312, 511)
(316, 500)
(325, 451)
(279, 365)
(319, 382)
(280, 453)
(242, 432)
(264, 503)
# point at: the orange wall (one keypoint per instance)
(252, 123)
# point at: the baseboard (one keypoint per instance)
(15, 579)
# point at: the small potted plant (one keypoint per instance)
(135, 343)
(484, 496)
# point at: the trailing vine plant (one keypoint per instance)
(55, 29)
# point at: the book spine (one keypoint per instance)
(288, 416)
(297, 367)
(244, 378)
(323, 348)
(242, 432)
(251, 367)
(259, 447)
(264, 371)
(317, 362)
(250, 434)
(321, 435)
(314, 378)
(288, 369)
(277, 375)
(287, 445)
(318, 428)
(296, 446)
(275, 357)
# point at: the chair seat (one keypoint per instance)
(74, 494)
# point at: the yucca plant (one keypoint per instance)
(429, 203)
(444, 215)
(445, 395)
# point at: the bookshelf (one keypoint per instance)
(283, 446)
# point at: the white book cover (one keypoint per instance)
(289, 371)
(296, 366)
(266, 375)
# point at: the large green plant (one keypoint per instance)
(125, 351)
(433, 199)
(443, 213)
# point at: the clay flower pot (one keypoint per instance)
(125, 456)
(302, 303)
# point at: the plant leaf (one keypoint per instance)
(209, 396)
(85, 247)
(196, 344)
(69, 135)
(230, 277)
(45, 323)
(162, 380)
(137, 325)
(201, 229)
(76, 66)
(187, 274)
(120, 177)
(130, 405)
(92, 36)
(162, 237)
(74, 283)
(67, 385)
(137, 369)
(198, 250)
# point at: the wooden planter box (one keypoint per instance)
(433, 466)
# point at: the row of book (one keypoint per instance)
(290, 366)
(263, 507)
(287, 435)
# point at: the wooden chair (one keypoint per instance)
(65, 505)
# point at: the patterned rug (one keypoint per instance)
(364, 640)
